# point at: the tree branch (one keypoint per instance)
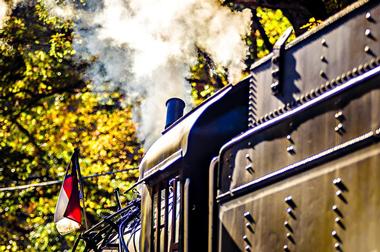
(31, 138)
(260, 28)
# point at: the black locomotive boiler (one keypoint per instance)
(288, 159)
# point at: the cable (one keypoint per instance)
(23, 187)
(53, 182)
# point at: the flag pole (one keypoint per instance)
(76, 151)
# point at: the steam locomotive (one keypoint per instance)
(288, 159)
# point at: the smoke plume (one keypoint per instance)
(145, 48)
(4, 9)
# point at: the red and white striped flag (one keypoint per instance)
(67, 216)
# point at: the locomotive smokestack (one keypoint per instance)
(174, 110)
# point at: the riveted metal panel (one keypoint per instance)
(321, 127)
(334, 205)
(347, 45)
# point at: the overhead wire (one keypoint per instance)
(53, 182)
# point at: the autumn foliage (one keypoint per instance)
(47, 109)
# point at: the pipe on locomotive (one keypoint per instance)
(175, 107)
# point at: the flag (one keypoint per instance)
(67, 216)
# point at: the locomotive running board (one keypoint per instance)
(303, 165)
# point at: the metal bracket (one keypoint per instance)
(277, 62)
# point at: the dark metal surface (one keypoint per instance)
(309, 129)
(305, 176)
(303, 165)
(174, 107)
(215, 121)
(334, 53)
(184, 152)
(323, 215)
(212, 210)
(278, 63)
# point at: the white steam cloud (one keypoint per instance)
(146, 47)
(4, 9)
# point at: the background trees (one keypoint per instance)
(47, 108)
